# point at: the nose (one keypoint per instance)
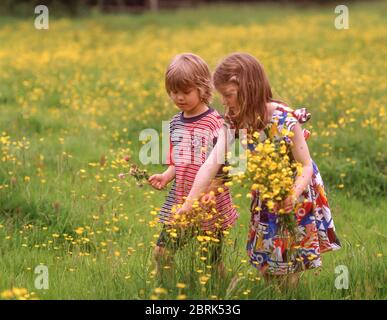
(179, 97)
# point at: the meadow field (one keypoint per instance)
(74, 98)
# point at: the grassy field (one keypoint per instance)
(73, 100)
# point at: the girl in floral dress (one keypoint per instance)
(316, 232)
(247, 96)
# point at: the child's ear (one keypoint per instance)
(201, 94)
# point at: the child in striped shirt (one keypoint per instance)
(193, 133)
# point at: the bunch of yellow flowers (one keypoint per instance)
(200, 213)
(271, 171)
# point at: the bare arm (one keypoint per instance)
(170, 173)
(301, 154)
(159, 181)
(215, 184)
(208, 170)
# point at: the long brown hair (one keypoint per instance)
(254, 90)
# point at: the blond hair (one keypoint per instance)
(187, 70)
(254, 90)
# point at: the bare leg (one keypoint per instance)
(164, 261)
(293, 280)
(273, 280)
(220, 269)
(283, 282)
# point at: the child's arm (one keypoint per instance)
(212, 190)
(159, 181)
(207, 171)
(301, 154)
(215, 185)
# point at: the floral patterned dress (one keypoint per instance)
(267, 249)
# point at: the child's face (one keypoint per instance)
(186, 100)
(229, 93)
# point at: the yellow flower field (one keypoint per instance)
(74, 98)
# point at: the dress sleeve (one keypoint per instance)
(290, 120)
(301, 116)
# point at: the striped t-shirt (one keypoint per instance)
(191, 141)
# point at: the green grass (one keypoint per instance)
(97, 81)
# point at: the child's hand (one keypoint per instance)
(208, 198)
(158, 181)
(184, 209)
(289, 203)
